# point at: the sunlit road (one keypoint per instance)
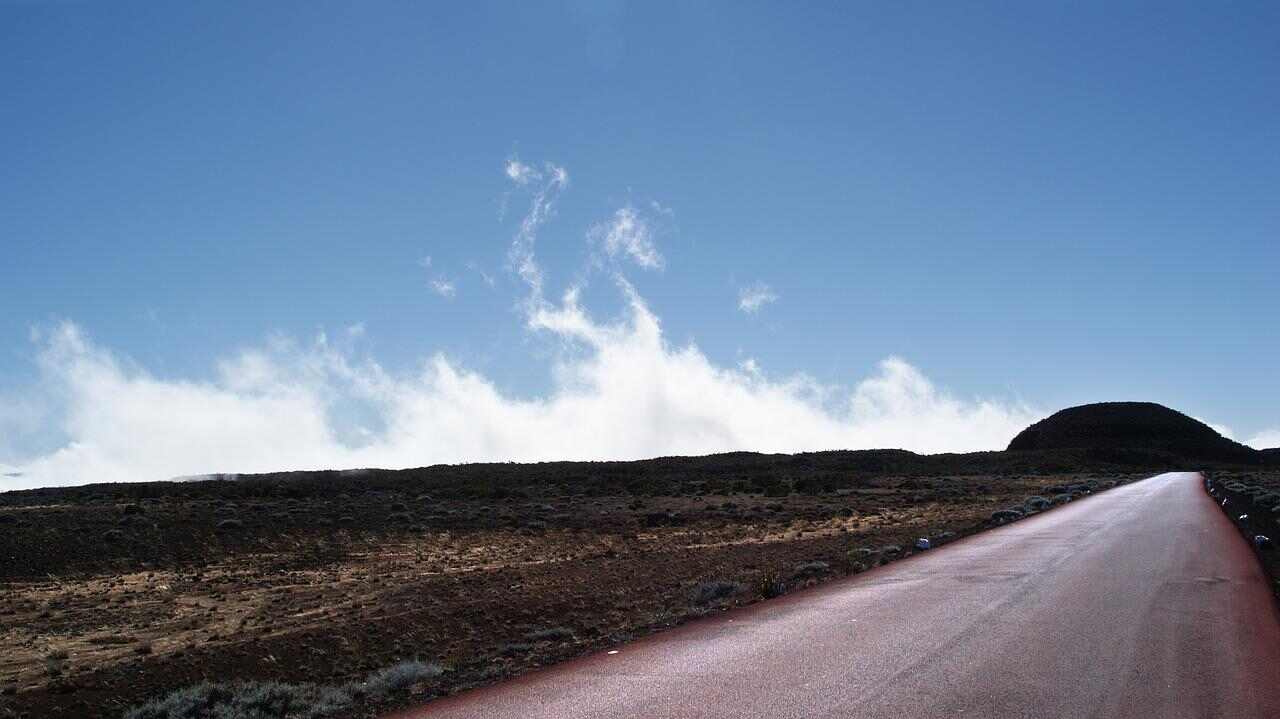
(1142, 601)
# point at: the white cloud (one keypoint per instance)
(619, 390)
(425, 262)
(1221, 429)
(444, 287)
(754, 297)
(1266, 439)
(520, 255)
(485, 277)
(520, 173)
(627, 394)
(628, 235)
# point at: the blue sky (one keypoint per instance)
(1027, 206)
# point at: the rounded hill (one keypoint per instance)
(1132, 426)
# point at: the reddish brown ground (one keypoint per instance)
(101, 609)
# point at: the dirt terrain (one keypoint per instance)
(113, 595)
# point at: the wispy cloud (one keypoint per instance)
(1221, 429)
(628, 235)
(520, 173)
(753, 297)
(619, 389)
(444, 287)
(485, 277)
(520, 255)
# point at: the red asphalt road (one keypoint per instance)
(1142, 601)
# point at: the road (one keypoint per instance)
(1142, 601)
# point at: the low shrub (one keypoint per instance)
(810, 570)
(277, 700)
(1036, 504)
(771, 585)
(395, 679)
(246, 700)
(554, 634)
(713, 591)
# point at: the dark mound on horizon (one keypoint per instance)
(1143, 426)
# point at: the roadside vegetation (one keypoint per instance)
(1251, 500)
(272, 700)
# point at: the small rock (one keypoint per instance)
(923, 543)
(1262, 541)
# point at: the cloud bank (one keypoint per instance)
(620, 390)
(631, 395)
(1266, 439)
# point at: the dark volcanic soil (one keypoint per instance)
(115, 594)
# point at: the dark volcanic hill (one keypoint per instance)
(1132, 425)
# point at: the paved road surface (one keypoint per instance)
(1139, 602)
